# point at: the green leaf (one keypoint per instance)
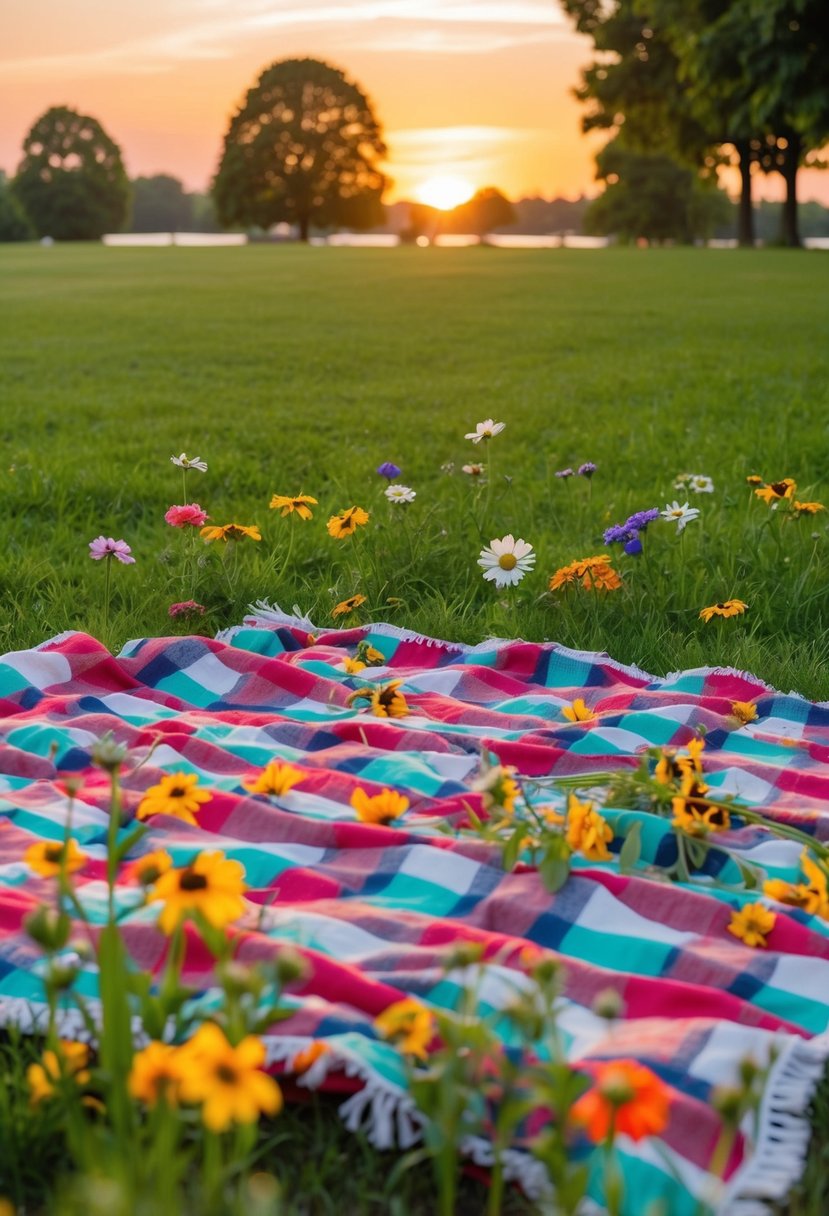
(631, 850)
(554, 870)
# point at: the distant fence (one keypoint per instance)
(175, 238)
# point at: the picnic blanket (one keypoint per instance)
(374, 909)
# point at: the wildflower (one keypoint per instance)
(408, 1024)
(352, 666)
(594, 574)
(639, 520)
(681, 481)
(156, 1074)
(400, 494)
(287, 505)
(776, 491)
(307, 1057)
(347, 606)
(811, 896)
(587, 469)
(370, 655)
(724, 609)
(578, 712)
(744, 711)
(587, 831)
(754, 480)
(210, 885)
(190, 514)
(227, 1081)
(807, 508)
(693, 813)
(626, 1099)
(148, 869)
(387, 702)
(565, 473)
(231, 532)
(276, 779)
(186, 608)
(499, 788)
(680, 515)
(624, 534)
(105, 546)
(474, 470)
(389, 470)
(188, 462)
(379, 808)
(347, 522)
(485, 430)
(174, 795)
(700, 484)
(108, 754)
(448, 468)
(70, 1060)
(752, 923)
(507, 560)
(51, 857)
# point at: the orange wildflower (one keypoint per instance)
(348, 605)
(408, 1024)
(287, 504)
(230, 532)
(50, 857)
(379, 808)
(627, 1099)
(744, 711)
(578, 711)
(776, 491)
(724, 609)
(752, 924)
(347, 522)
(588, 832)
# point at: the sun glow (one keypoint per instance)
(445, 191)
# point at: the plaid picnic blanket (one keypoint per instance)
(374, 909)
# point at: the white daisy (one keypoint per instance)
(400, 494)
(682, 480)
(700, 484)
(680, 515)
(506, 561)
(485, 430)
(186, 462)
(474, 470)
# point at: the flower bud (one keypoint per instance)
(49, 928)
(108, 754)
(608, 1004)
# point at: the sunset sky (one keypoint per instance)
(479, 89)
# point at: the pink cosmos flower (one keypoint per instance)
(190, 513)
(187, 608)
(105, 546)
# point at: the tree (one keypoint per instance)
(303, 148)
(71, 181)
(14, 226)
(159, 204)
(487, 209)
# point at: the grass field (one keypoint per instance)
(295, 370)
(292, 369)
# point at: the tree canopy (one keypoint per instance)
(71, 182)
(303, 148)
(160, 204)
(14, 226)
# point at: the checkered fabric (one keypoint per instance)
(374, 909)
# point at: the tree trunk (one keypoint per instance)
(745, 211)
(790, 231)
(304, 225)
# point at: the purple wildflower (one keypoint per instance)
(565, 473)
(105, 546)
(187, 608)
(388, 470)
(634, 546)
(617, 535)
(587, 469)
(640, 519)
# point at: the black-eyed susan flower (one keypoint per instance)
(227, 532)
(811, 896)
(587, 831)
(227, 1082)
(388, 701)
(776, 491)
(752, 924)
(694, 813)
(177, 795)
(578, 711)
(156, 1074)
(211, 885)
(347, 522)
(379, 808)
(70, 1060)
(276, 778)
(148, 869)
(299, 503)
(807, 508)
(725, 608)
(51, 857)
(744, 711)
(409, 1025)
(347, 606)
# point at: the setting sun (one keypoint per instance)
(445, 191)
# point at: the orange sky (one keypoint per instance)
(477, 88)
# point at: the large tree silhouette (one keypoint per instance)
(71, 181)
(302, 149)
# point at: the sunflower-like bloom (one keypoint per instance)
(386, 701)
(148, 869)
(70, 1060)
(671, 767)
(499, 788)
(210, 885)
(276, 779)
(370, 655)
(752, 924)
(230, 532)
(347, 522)
(726, 608)
(578, 711)
(812, 896)
(286, 505)
(408, 1024)
(594, 574)
(348, 605)
(744, 711)
(588, 832)
(174, 795)
(156, 1074)
(352, 666)
(776, 491)
(228, 1082)
(627, 1098)
(807, 508)
(694, 813)
(379, 808)
(50, 857)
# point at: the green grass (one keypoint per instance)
(289, 368)
(293, 369)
